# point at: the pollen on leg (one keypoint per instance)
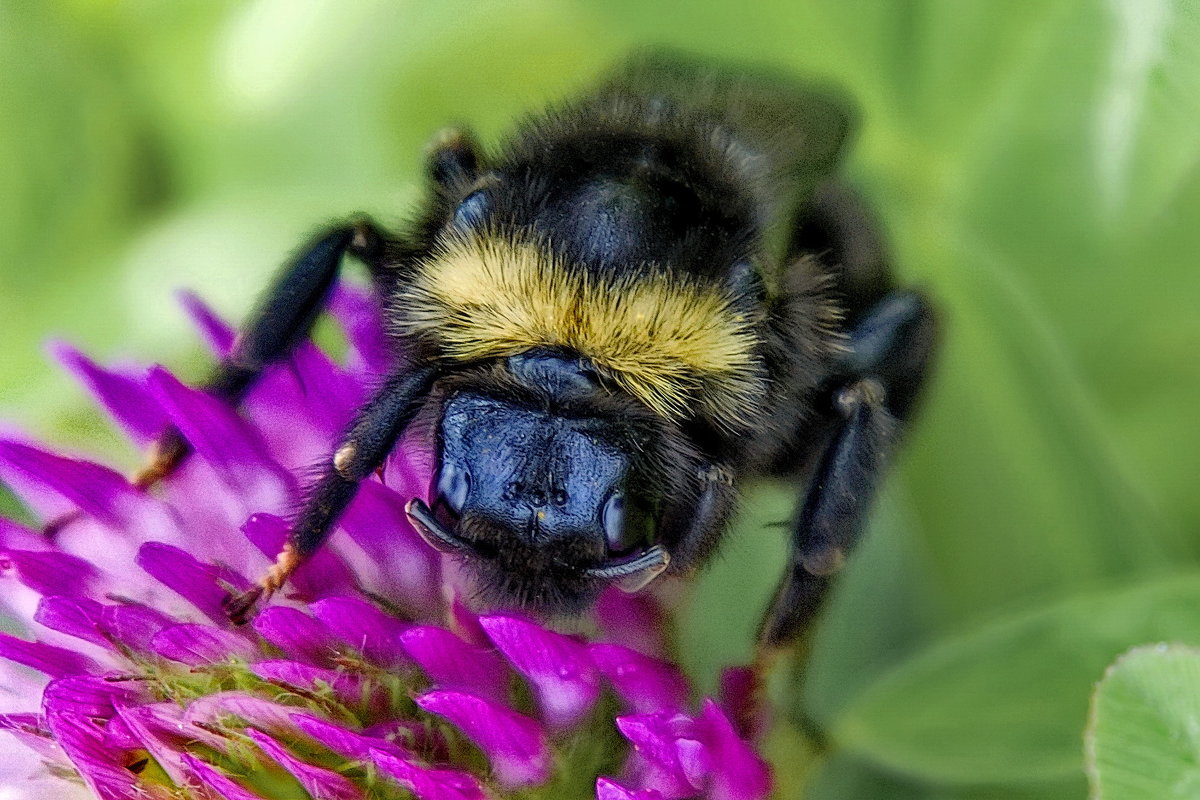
(343, 458)
(450, 138)
(238, 607)
(163, 457)
(361, 237)
(825, 561)
(285, 564)
(867, 391)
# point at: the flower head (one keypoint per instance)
(361, 681)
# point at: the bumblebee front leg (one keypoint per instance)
(366, 444)
(281, 321)
(890, 350)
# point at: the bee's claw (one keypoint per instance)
(165, 454)
(238, 606)
(55, 526)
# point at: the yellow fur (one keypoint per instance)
(675, 344)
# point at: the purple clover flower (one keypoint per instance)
(348, 686)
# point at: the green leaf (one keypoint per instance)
(879, 612)
(1010, 497)
(1007, 703)
(841, 777)
(844, 777)
(1145, 118)
(1143, 737)
(717, 625)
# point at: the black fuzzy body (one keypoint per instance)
(559, 471)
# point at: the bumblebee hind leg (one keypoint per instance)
(281, 321)
(838, 228)
(870, 403)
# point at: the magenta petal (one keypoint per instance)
(133, 626)
(644, 684)
(559, 668)
(392, 737)
(409, 468)
(633, 620)
(53, 485)
(203, 585)
(56, 662)
(607, 789)
(737, 772)
(212, 328)
(195, 644)
(51, 573)
(428, 784)
(74, 616)
(170, 724)
(301, 405)
(211, 709)
(124, 397)
(465, 623)
(375, 634)
(413, 735)
(454, 664)
(327, 395)
(316, 781)
(18, 537)
(31, 731)
(399, 565)
(101, 768)
(656, 739)
(85, 696)
(346, 743)
(146, 727)
(213, 778)
(695, 760)
(515, 744)
(224, 440)
(28, 722)
(298, 635)
(743, 697)
(118, 735)
(347, 686)
(359, 316)
(682, 755)
(322, 574)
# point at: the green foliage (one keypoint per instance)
(1143, 739)
(1034, 164)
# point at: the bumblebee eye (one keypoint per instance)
(453, 486)
(612, 517)
(471, 211)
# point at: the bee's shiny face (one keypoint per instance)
(538, 501)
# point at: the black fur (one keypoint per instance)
(713, 175)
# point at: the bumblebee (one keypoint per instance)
(645, 297)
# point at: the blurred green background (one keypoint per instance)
(1035, 165)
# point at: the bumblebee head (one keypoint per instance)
(548, 501)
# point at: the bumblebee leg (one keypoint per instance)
(890, 351)
(453, 157)
(838, 228)
(366, 444)
(281, 321)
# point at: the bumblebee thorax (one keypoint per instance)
(676, 343)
